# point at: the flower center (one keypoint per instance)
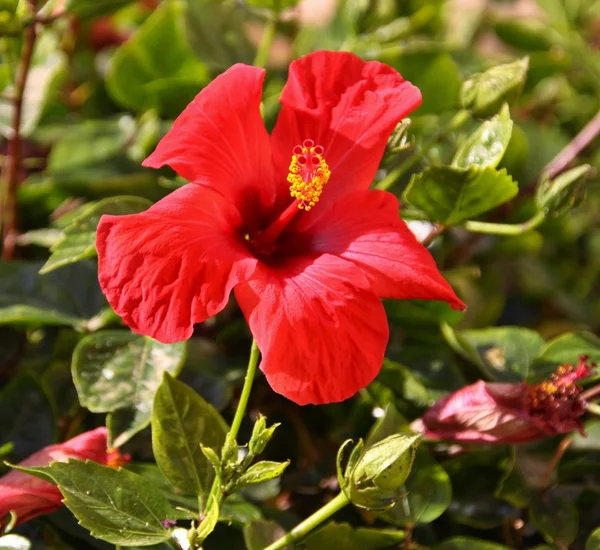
(308, 174)
(560, 388)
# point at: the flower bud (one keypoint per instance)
(261, 435)
(375, 479)
(399, 140)
(560, 194)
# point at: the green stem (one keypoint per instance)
(302, 529)
(593, 408)
(503, 228)
(216, 490)
(264, 48)
(243, 402)
(458, 120)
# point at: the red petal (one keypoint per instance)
(321, 331)
(365, 228)
(348, 106)
(220, 140)
(29, 496)
(174, 264)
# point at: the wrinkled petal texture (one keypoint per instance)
(483, 413)
(30, 496)
(321, 330)
(366, 229)
(220, 140)
(348, 106)
(174, 264)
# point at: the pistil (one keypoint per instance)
(308, 174)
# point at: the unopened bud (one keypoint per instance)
(375, 479)
(261, 435)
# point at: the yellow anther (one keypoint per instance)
(308, 173)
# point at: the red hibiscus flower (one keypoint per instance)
(510, 413)
(286, 220)
(29, 496)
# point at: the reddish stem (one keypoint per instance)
(590, 393)
(560, 451)
(13, 162)
(437, 229)
(573, 148)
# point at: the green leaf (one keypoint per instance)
(505, 354)
(181, 421)
(215, 31)
(555, 517)
(78, 240)
(436, 75)
(123, 424)
(485, 92)
(116, 506)
(592, 543)
(118, 371)
(565, 349)
(403, 382)
(468, 543)
(70, 297)
(421, 315)
(487, 145)
(343, 535)
(91, 160)
(527, 34)
(27, 417)
(146, 75)
(260, 534)
(450, 195)
(239, 511)
(262, 471)
(14, 542)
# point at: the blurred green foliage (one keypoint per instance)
(507, 85)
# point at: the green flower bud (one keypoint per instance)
(375, 480)
(261, 435)
(562, 193)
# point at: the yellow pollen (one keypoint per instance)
(309, 173)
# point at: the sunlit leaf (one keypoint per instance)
(116, 506)
(484, 93)
(181, 421)
(487, 145)
(145, 75)
(78, 240)
(451, 195)
(119, 372)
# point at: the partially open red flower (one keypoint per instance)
(30, 496)
(510, 413)
(286, 220)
